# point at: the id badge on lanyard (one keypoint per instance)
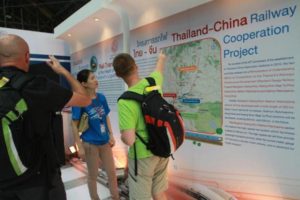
(102, 128)
(102, 124)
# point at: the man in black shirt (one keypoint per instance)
(43, 97)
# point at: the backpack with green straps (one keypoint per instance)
(15, 158)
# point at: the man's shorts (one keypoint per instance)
(151, 178)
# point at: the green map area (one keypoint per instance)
(193, 83)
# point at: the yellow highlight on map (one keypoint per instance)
(191, 68)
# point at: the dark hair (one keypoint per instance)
(83, 75)
(123, 64)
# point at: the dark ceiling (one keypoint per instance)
(37, 15)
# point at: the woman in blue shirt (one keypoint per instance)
(96, 142)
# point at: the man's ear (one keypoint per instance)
(27, 57)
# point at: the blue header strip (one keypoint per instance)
(44, 56)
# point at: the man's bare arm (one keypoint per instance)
(80, 96)
(128, 136)
(160, 62)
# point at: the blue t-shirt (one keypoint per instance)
(97, 133)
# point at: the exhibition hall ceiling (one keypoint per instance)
(37, 15)
(104, 19)
(45, 15)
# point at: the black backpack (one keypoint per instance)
(15, 148)
(163, 121)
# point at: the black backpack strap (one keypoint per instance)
(135, 96)
(151, 81)
(135, 155)
(142, 140)
(131, 96)
(16, 79)
(20, 80)
(135, 161)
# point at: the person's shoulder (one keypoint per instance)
(42, 83)
(157, 75)
(38, 78)
(124, 105)
(35, 81)
(100, 95)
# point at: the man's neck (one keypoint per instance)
(7, 64)
(132, 80)
(11, 64)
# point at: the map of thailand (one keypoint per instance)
(193, 83)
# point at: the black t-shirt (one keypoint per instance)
(44, 97)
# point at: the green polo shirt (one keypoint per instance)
(131, 117)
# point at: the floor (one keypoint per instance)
(74, 176)
(75, 181)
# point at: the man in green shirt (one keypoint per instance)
(151, 180)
